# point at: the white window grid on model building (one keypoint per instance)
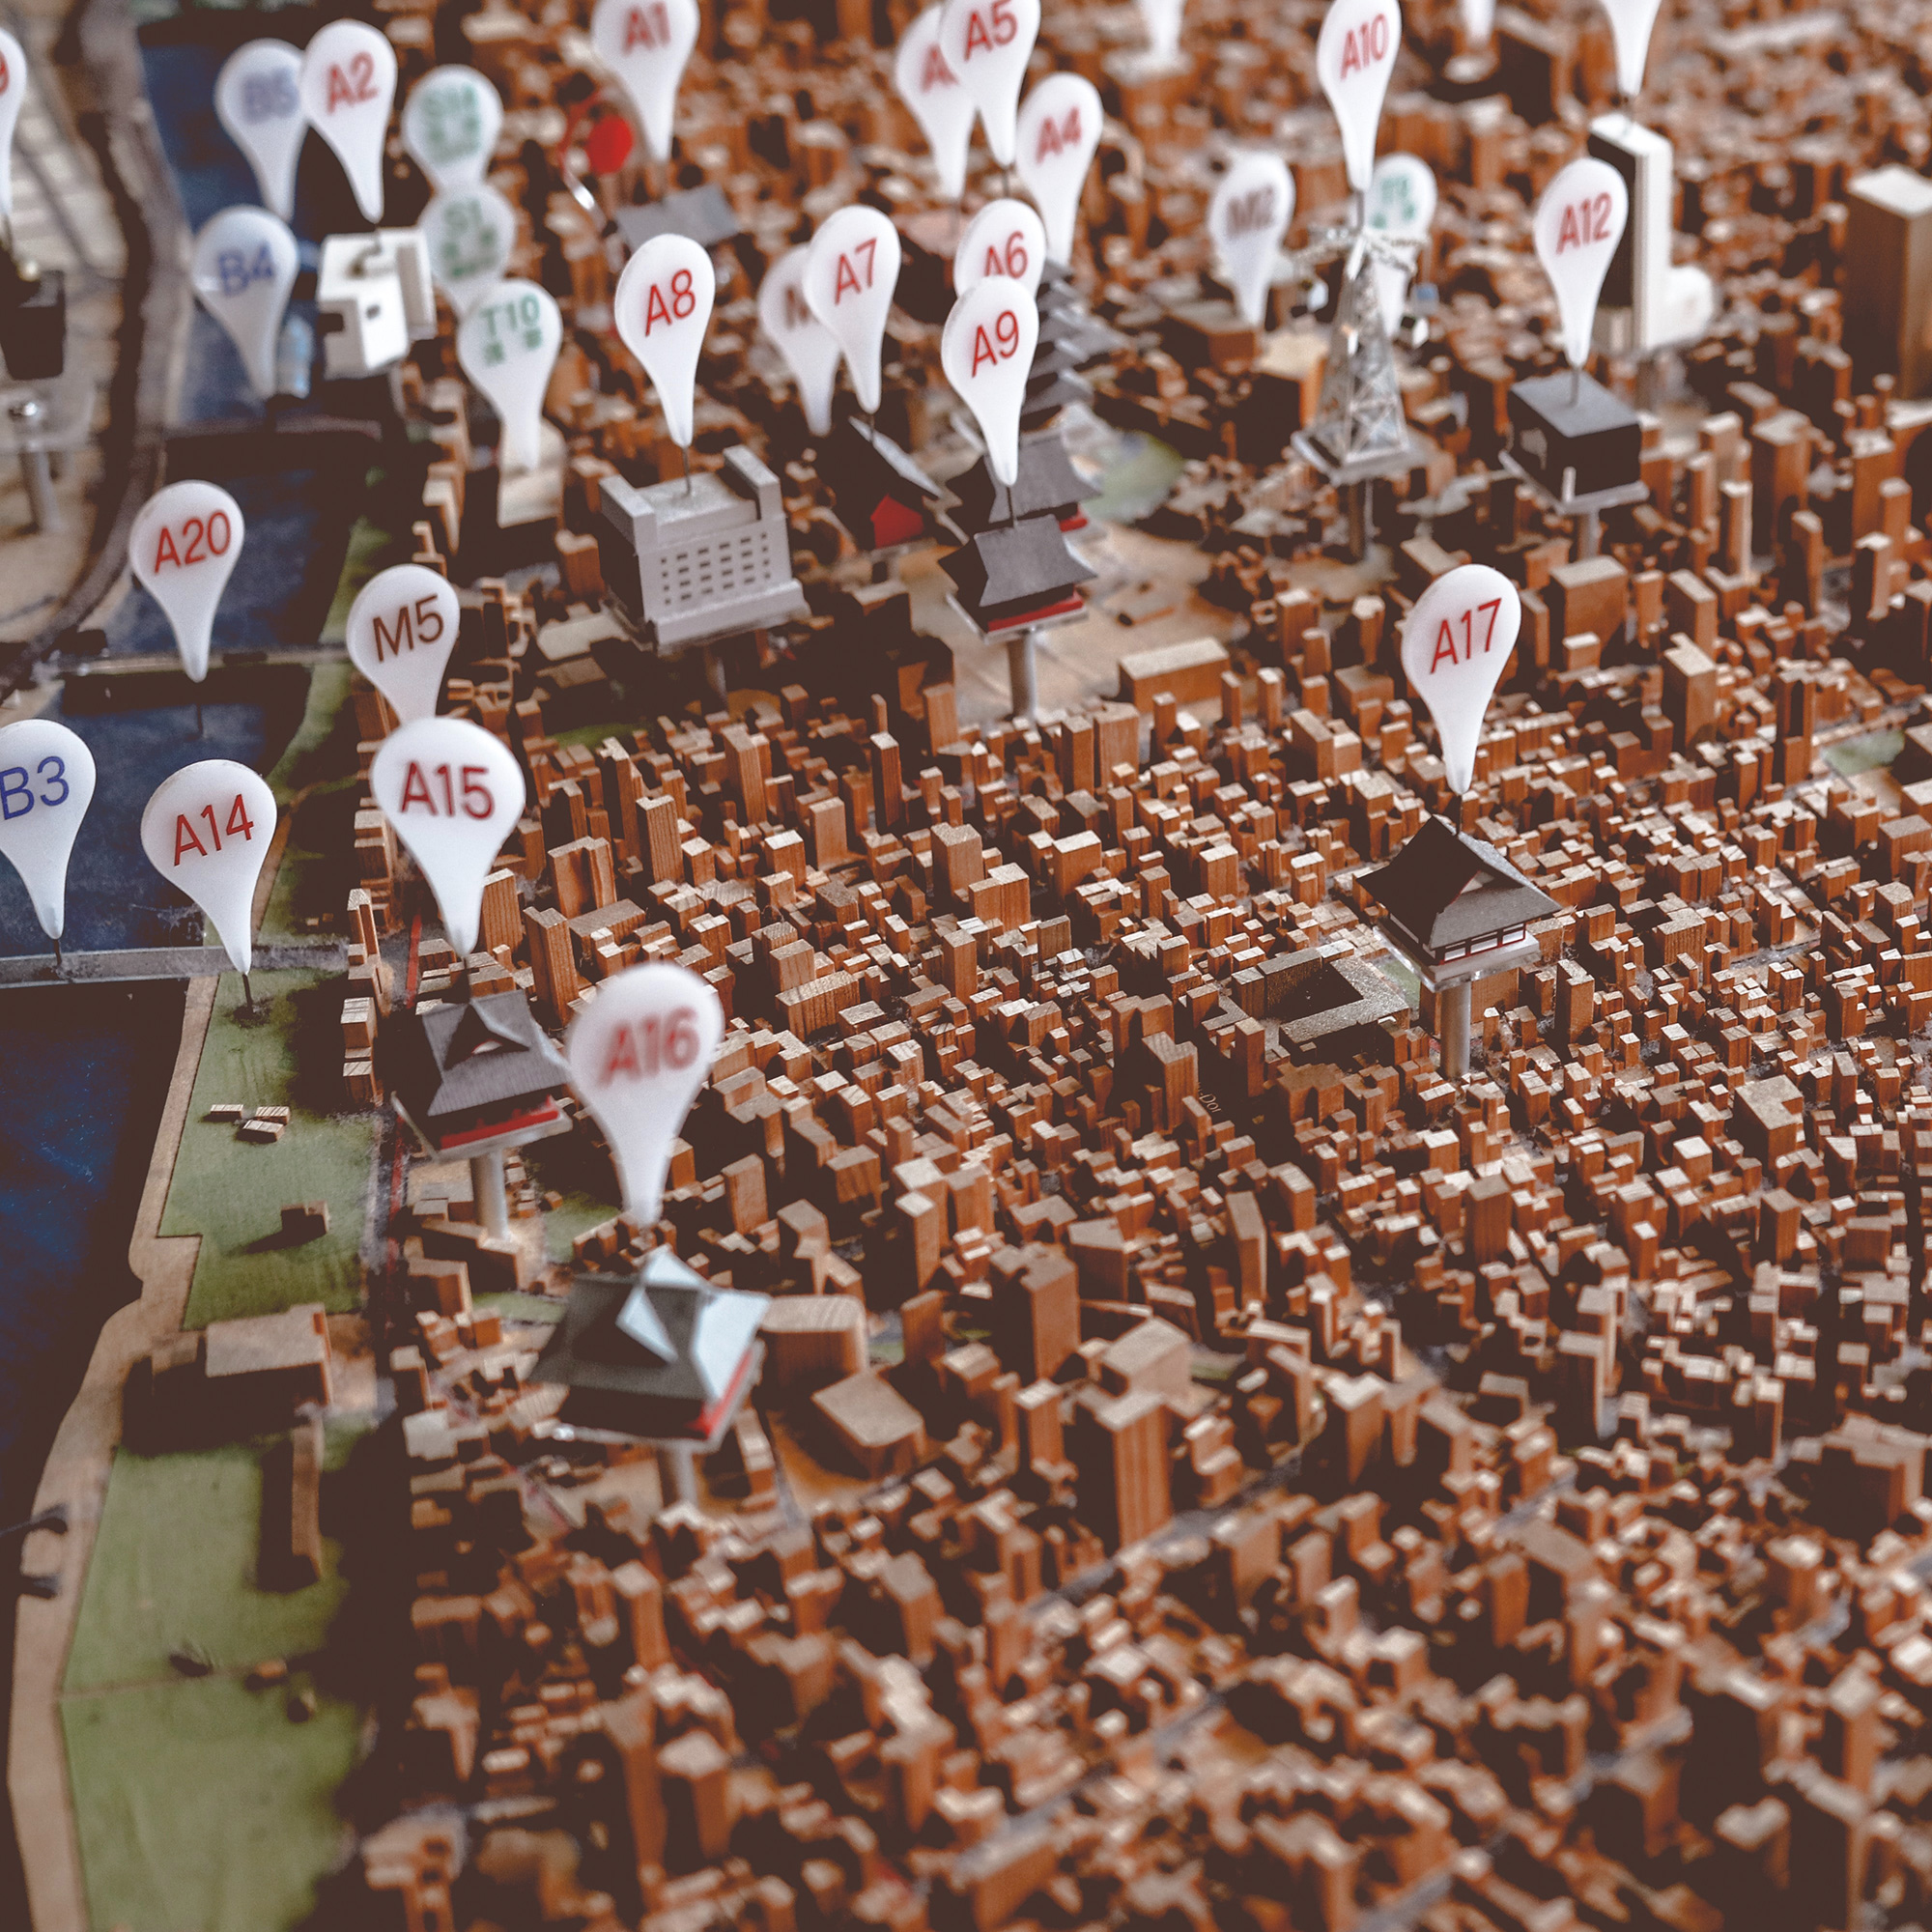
(709, 569)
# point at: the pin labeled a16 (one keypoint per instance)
(1455, 647)
(242, 268)
(46, 784)
(206, 830)
(182, 550)
(401, 631)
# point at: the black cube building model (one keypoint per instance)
(1572, 439)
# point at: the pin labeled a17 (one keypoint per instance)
(206, 830)
(182, 550)
(401, 631)
(46, 784)
(1455, 647)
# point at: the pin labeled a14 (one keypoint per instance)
(46, 784)
(646, 45)
(851, 271)
(638, 1053)
(987, 43)
(1253, 204)
(258, 102)
(1354, 56)
(401, 631)
(1006, 237)
(1577, 227)
(182, 550)
(242, 268)
(454, 794)
(662, 307)
(810, 350)
(348, 81)
(206, 830)
(1059, 131)
(1454, 650)
(986, 349)
(941, 107)
(508, 346)
(450, 124)
(1402, 203)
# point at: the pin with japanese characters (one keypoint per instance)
(182, 550)
(1162, 20)
(1402, 203)
(508, 346)
(450, 126)
(1577, 227)
(851, 269)
(662, 309)
(468, 233)
(348, 81)
(941, 107)
(208, 830)
(638, 1054)
(1059, 130)
(242, 268)
(987, 43)
(401, 631)
(12, 98)
(809, 349)
(1630, 25)
(645, 44)
(453, 793)
(258, 100)
(1354, 56)
(1453, 650)
(1006, 237)
(1252, 207)
(46, 784)
(985, 350)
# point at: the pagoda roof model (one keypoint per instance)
(878, 492)
(1016, 574)
(1449, 892)
(1049, 483)
(662, 1357)
(464, 1074)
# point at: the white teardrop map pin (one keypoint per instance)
(1453, 650)
(1006, 237)
(941, 107)
(348, 81)
(258, 102)
(663, 308)
(1632, 22)
(851, 269)
(1161, 19)
(508, 346)
(450, 124)
(638, 1053)
(987, 43)
(809, 349)
(183, 548)
(1577, 227)
(468, 233)
(401, 631)
(1402, 203)
(453, 793)
(986, 349)
(244, 267)
(46, 784)
(1354, 56)
(208, 830)
(646, 43)
(1059, 130)
(1252, 207)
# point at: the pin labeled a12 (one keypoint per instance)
(941, 107)
(206, 830)
(985, 350)
(662, 307)
(1253, 204)
(638, 1053)
(507, 346)
(810, 350)
(401, 631)
(46, 784)
(454, 794)
(348, 81)
(182, 550)
(1354, 56)
(1577, 227)
(242, 268)
(1455, 647)
(258, 102)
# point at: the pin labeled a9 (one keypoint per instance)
(1454, 650)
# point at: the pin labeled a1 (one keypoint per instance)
(401, 631)
(1059, 130)
(986, 349)
(1006, 237)
(450, 123)
(242, 268)
(987, 43)
(1577, 227)
(258, 102)
(454, 794)
(182, 550)
(1455, 649)
(1354, 56)
(208, 830)
(638, 1053)
(508, 346)
(663, 308)
(348, 81)
(46, 784)
(809, 349)
(468, 233)
(1402, 203)
(1253, 204)
(851, 271)
(12, 98)
(941, 107)
(646, 43)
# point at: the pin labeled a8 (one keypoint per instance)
(1455, 647)
(206, 830)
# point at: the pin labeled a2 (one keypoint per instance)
(1455, 649)
(348, 81)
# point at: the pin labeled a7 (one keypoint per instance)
(1253, 204)
(1455, 647)
(851, 271)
